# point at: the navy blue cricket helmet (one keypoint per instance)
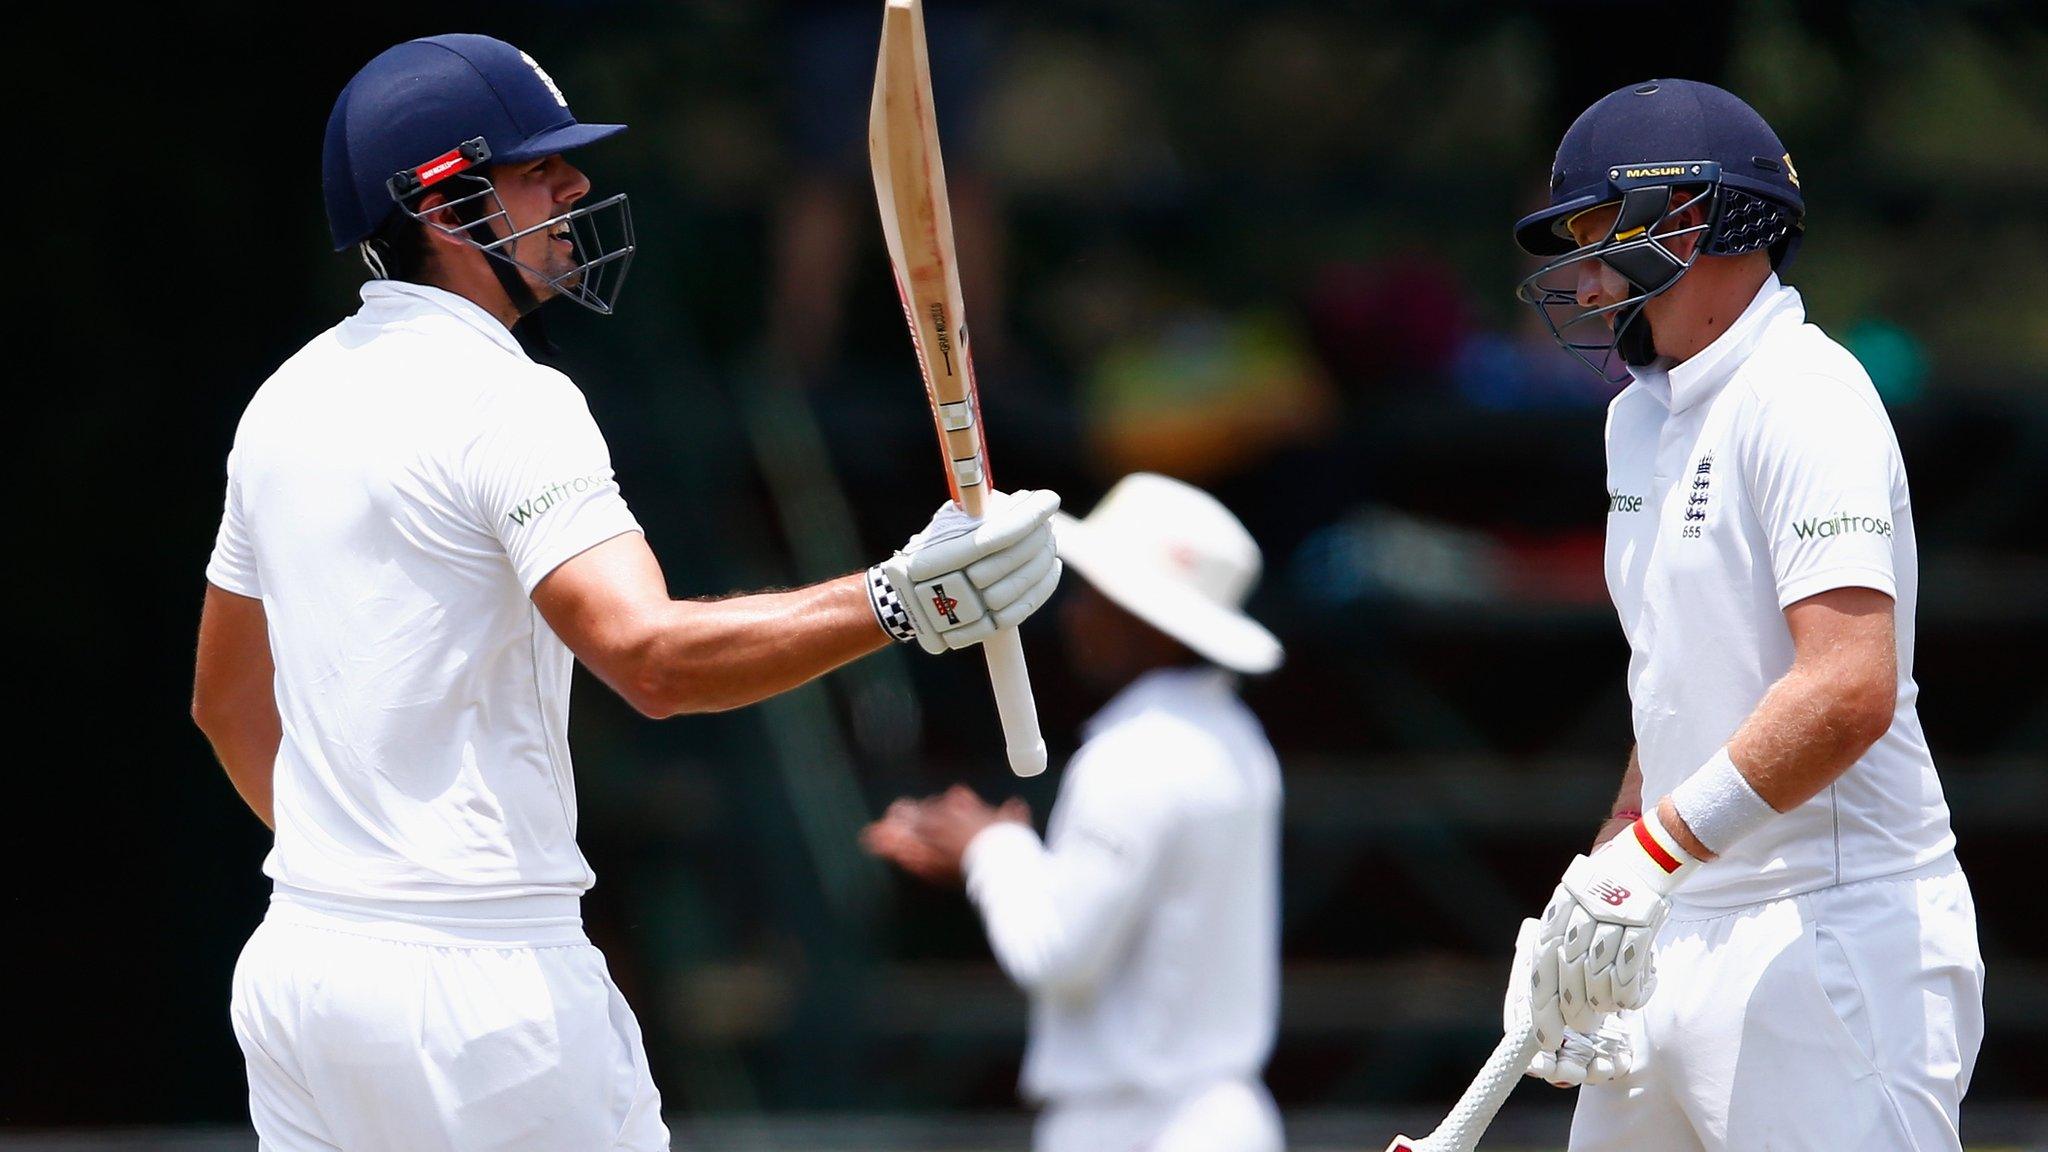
(444, 107)
(1640, 147)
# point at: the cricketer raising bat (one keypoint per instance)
(910, 184)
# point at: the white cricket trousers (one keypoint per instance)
(1224, 1116)
(1837, 1020)
(364, 1034)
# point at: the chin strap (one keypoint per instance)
(472, 213)
(516, 289)
(1635, 342)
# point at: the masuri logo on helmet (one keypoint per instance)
(1640, 147)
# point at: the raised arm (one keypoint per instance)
(952, 586)
(233, 700)
(611, 606)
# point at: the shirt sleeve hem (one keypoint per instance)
(1814, 583)
(544, 567)
(227, 581)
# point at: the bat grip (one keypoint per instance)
(1014, 702)
(1467, 1121)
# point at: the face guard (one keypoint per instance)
(601, 234)
(1612, 337)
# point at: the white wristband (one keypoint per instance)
(1719, 805)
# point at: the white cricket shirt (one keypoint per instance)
(1146, 930)
(1760, 472)
(395, 491)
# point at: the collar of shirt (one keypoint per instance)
(1683, 385)
(1178, 690)
(394, 300)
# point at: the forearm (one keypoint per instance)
(245, 733)
(248, 752)
(1007, 872)
(1809, 729)
(1812, 726)
(234, 700)
(1050, 920)
(1628, 801)
(714, 655)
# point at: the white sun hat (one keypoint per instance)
(1173, 556)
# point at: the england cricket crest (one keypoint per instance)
(1698, 496)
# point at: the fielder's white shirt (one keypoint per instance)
(1760, 472)
(395, 492)
(1147, 929)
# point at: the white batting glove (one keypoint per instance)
(1606, 1054)
(1593, 945)
(960, 580)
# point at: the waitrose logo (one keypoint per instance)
(538, 504)
(1829, 527)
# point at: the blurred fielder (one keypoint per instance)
(1791, 889)
(1146, 927)
(421, 530)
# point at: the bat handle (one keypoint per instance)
(1014, 702)
(1461, 1130)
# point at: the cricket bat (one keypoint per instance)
(910, 185)
(1467, 1121)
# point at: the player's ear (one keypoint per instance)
(1690, 213)
(434, 211)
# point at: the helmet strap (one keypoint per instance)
(1634, 340)
(373, 259)
(517, 291)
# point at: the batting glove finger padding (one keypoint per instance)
(999, 592)
(961, 579)
(1544, 1010)
(1566, 1057)
(992, 569)
(954, 540)
(1599, 926)
(1034, 598)
(1516, 1006)
(1597, 1057)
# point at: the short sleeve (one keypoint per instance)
(1823, 470)
(233, 564)
(541, 477)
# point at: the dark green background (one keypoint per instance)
(1361, 162)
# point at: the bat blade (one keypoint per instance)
(917, 225)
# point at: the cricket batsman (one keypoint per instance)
(1145, 927)
(1778, 866)
(421, 532)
